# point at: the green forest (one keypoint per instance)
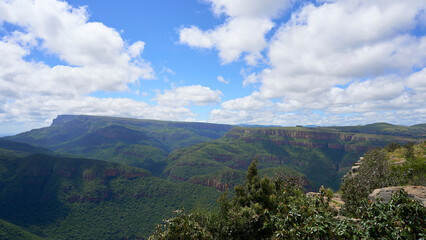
(88, 177)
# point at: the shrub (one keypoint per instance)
(392, 146)
(409, 150)
(373, 173)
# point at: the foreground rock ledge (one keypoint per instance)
(414, 192)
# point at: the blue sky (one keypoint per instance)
(269, 62)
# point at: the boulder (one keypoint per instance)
(414, 192)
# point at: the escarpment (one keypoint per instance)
(310, 138)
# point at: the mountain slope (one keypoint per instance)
(141, 143)
(415, 131)
(68, 198)
(19, 149)
(323, 155)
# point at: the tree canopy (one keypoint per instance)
(278, 209)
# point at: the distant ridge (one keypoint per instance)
(135, 142)
(8, 147)
(62, 119)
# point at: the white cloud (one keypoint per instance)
(339, 57)
(194, 37)
(95, 58)
(183, 96)
(250, 8)
(249, 79)
(222, 80)
(232, 38)
(252, 102)
(270, 116)
(417, 80)
(40, 110)
(98, 56)
(348, 59)
(337, 42)
(136, 49)
(244, 30)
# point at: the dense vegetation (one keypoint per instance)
(322, 155)
(72, 198)
(277, 209)
(19, 149)
(52, 190)
(10, 231)
(378, 170)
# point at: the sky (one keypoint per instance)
(266, 62)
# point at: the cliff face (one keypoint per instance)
(282, 133)
(308, 138)
(62, 119)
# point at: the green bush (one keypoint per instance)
(400, 218)
(374, 172)
(409, 150)
(392, 146)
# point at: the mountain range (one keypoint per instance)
(104, 177)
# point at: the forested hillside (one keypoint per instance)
(75, 198)
(323, 155)
(276, 208)
(134, 142)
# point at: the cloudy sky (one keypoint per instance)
(269, 62)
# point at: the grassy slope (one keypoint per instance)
(67, 198)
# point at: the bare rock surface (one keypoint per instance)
(414, 192)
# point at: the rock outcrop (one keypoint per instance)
(414, 192)
(354, 169)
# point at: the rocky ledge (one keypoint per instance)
(414, 192)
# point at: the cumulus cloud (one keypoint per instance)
(337, 42)
(194, 37)
(93, 57)
(136, 49)
(232, 38)
(46, 108)
(417, 80)
(270, 116)
(183, 96)
(249, 8)
(251, 102)
(97, 57)
(237, 35)
(350, 60)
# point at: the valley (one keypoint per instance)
(87, 176)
